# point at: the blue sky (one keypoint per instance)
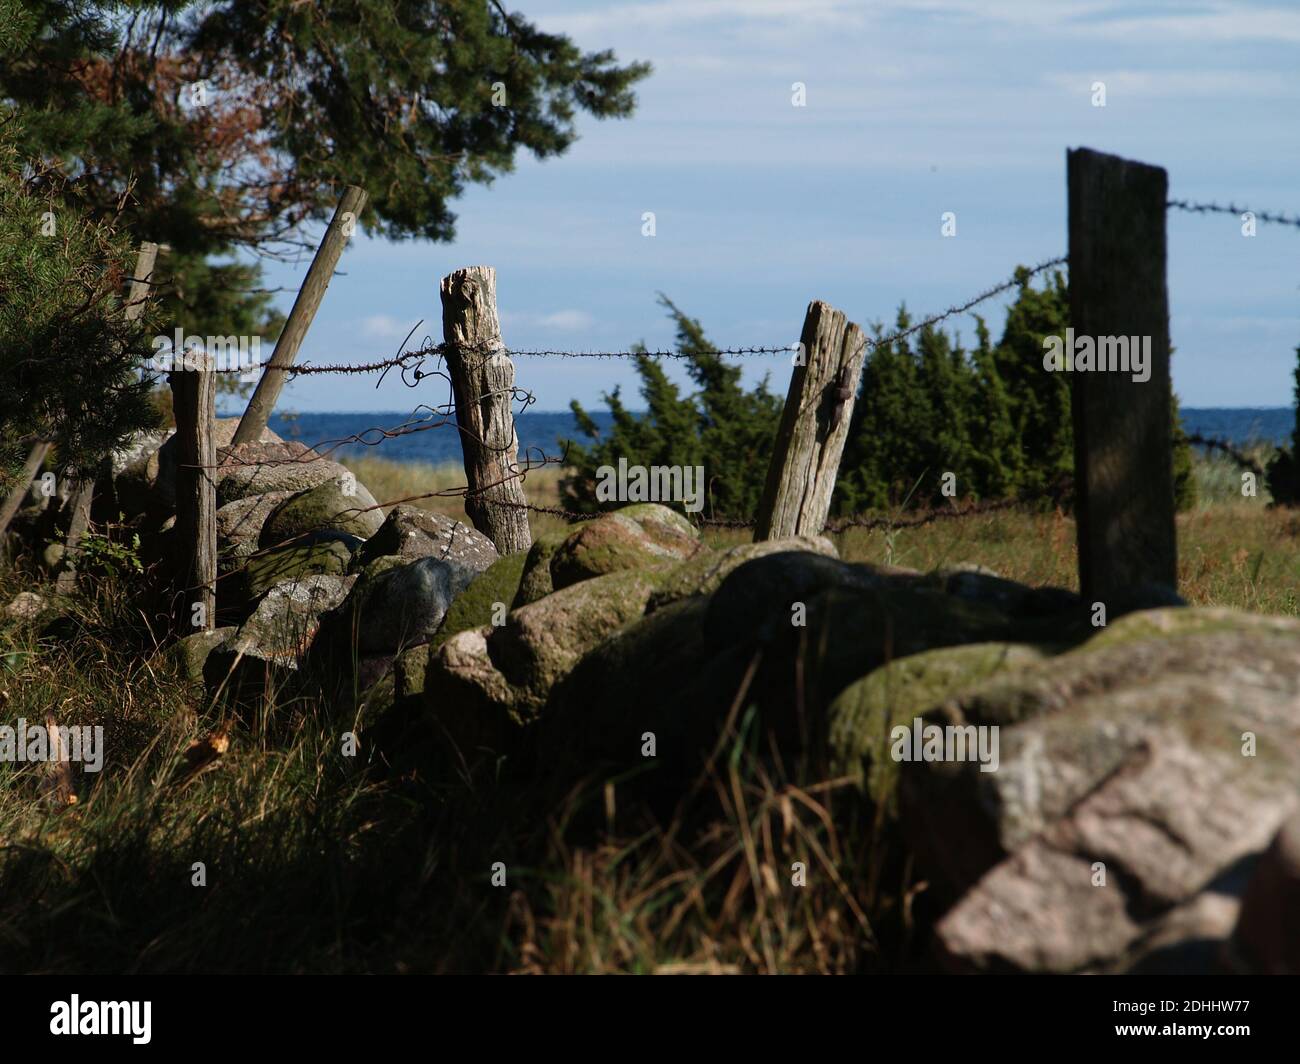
(913, 109)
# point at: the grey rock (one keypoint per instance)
(148, 471)
(258, 468)
(25, 606)
(239, 526)
(1130, 750)
(410, 532)
(397, 604)
(287, 619)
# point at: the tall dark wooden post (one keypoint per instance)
(1123, 457)
(194, 401)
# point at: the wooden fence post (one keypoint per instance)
(35, 457)
(260, 406)
(84, 492)
(814, 425)
(194, 402)
(482, 379)
(1123, 448)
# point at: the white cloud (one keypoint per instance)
(1177, 84)
(567, 320)
(384, 327)
(666, 14)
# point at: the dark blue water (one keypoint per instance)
(432, 443)
(1241, 426)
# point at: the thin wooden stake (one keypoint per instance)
(262, 404)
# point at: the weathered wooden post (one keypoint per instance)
(482, 380)
(194, 403)
(260, 406)
(14, 501)
(83, 493)
(814, 425)
(1123, 454)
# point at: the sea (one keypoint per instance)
(542, 432)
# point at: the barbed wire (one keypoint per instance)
(1019, 277)
(1230, 208)
(411, 363)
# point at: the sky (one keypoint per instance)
(912, 109)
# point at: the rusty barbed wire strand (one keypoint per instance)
(412, 361)
(1019, 277)
(1214, 208)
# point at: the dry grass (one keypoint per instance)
(418, 483)
(1232, 551)
(316, 862)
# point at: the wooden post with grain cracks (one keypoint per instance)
(194, 403)
(262, 404)
(1123, 447)
(814, 426)
(482, 379)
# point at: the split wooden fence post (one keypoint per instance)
(1123, 453)
(814, 426)
(482, 380)
(262, 404)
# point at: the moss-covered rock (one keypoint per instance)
(678, 672)
(327, 556)
(617, 542)
(488, 596)
(339, 504)
(191, 653)
(635, 536)
(483, 681)
(862, 716)
(535, 581)
(409, 668)
(705, 570)
(1175, 621)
